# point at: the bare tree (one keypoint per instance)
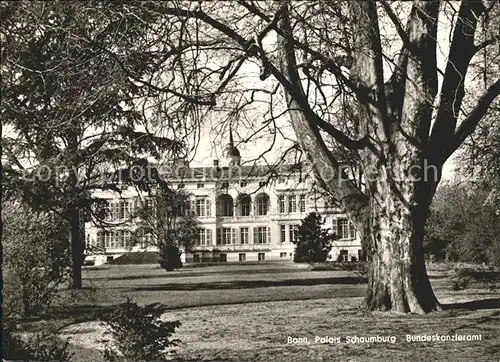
(405, 116)
(360, 75)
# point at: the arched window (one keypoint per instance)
(261, 204)
(244, 205)
(225, 205)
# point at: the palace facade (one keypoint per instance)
(247, 213)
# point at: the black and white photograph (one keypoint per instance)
(250, 180)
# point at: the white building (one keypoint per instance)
(245, 214)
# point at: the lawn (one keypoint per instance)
(247, 313)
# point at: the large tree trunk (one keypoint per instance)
(77, 247)
(397, 277)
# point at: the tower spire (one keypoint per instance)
(231, 140)
(232, 153)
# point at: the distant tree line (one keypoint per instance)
(464, 225)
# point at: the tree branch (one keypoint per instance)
(341, 137)
(367, 72)
(468, 126)
(486, 43)
(452, 90)
(399, 27)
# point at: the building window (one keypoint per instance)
(242, 257)
(262, 204)
(361, 255)
(343, 256)
(225, 185)
(149, 204)
(196, 258)
(224, 236)
(293, 232)
(108, 210)
(283, 234)
(261, 256)
(126, 239)
(244, 201)
(225, 205)
(261, 235)
(202, 240)
(281, 180)
(147, 239)
(292, 203)
(302, 203)
(281, 203)
(180, 186)
(282, 255)
(100, 239)
(202, 207)
(243, 184)
(344, 229)
(200, 186)
(244, 235)
(223, 258)
(262, 183)
(352, 231)
(131, 207)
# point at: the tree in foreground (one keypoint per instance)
(172, 225)
(313, 243)
(72, 113)
(363, 75)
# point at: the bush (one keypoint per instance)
(136, 257)
(138, 333)
(462, 279)
(312, 242)
(41, 346)
(36, 251)
(170, 256)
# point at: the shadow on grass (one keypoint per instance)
(248, 284)
(491, 303)
(196, 273)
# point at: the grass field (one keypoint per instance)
(247, 313)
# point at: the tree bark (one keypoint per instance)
(77, 247)
(397, 277)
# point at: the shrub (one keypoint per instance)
(170, 256)
(462, 279)
(461, 283)
(36, 251)
(138, 333)
(312, 242)
(41, 346)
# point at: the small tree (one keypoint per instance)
(313, 243)
(138, 333)
(171, 223)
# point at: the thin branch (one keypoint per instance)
(468, 126)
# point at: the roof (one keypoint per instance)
(238, 172)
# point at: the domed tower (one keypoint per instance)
(233, 156)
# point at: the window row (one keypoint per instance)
(243, 205)
(234, 236)
(291, 203)
(111, 239)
